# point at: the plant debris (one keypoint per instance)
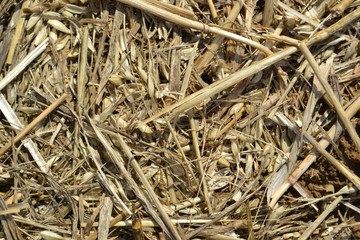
(169, 119)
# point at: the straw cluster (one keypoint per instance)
(169, 119)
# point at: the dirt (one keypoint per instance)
(323, 179)
(348, 148)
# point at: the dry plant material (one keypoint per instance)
(340, 111)
(186, 119)
(31, 125)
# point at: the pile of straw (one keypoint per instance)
(179, 119)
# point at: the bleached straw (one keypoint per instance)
(17, 125)
(24, 63)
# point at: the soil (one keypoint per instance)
(323, 179)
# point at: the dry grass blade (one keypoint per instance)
(82, 72)
(40, 225)
(104, 219)
(299, 15)
(17, 34)
(15, 208)
(212, 9)
(342, 6)
(206, 193)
